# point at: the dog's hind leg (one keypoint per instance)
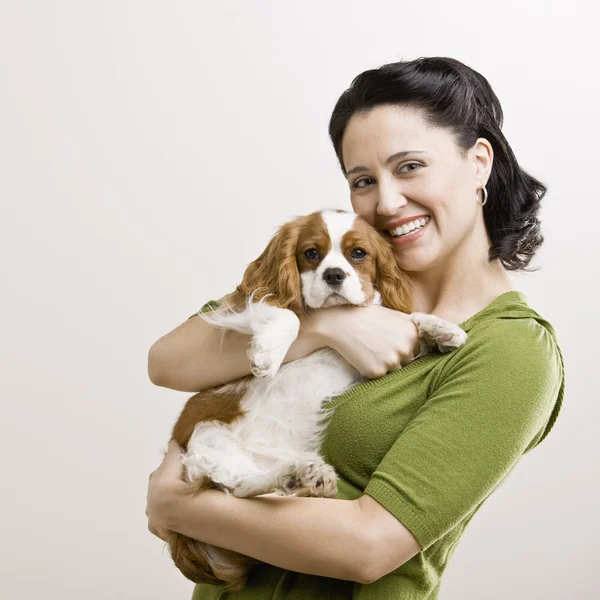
(214, 453)
(308, 475)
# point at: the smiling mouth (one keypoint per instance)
(408, 228)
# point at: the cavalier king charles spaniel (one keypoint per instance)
(262, 433)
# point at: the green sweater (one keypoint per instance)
(431, 442)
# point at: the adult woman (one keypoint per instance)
(420, 449)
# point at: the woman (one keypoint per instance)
(420, 449)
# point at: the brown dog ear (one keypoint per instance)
(393, 284)
(275, 271)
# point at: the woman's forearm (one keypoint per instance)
(318, 536)
(197, 355)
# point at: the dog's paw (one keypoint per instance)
(265, 360)
(271, 341)
(438, 333)
(309, 477)
(454, 338)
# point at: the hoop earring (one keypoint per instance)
(485, 197)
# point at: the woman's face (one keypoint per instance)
(400, 168)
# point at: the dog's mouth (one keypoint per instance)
(335, 299)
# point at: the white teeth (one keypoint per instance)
(408, 227)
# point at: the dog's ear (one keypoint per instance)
(393, 284)
(275, 271)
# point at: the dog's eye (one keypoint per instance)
(311, 254)
(358, 254)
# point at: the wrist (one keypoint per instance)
(182, 504)
(321, 326)
(327, 325)
(172, 514)
(310, 338)
(313, 331)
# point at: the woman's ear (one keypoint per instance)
(275, 271)
(392, 283)
(483, 155)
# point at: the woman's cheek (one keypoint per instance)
(365, 210)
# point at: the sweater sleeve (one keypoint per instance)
(210, 305)
(491, 403)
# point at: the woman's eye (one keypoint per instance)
(409, 167)
(311, 254)
(361, 183)
(358, 253)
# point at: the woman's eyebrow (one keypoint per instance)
(387, 162)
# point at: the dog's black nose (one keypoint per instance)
(334, 276)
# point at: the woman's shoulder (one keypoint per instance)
(510, 342)
(511, 321)
(509, 331)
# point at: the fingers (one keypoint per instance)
(158, 532)
(173, 449)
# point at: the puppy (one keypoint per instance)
(262, 433)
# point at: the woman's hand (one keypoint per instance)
(164, 487)
(374, 339)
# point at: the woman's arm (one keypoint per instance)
(356, 540)
(196, 355)
(318, 536)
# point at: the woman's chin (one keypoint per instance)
(414, 262)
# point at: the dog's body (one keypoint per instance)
(262, 433)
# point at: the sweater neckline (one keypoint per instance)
(499, 301)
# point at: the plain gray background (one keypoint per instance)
(147, 152)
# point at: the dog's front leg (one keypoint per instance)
(435, 332)
(275, 330)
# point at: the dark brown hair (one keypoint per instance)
(456, 97)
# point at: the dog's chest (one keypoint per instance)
(287, 409)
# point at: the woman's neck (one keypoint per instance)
(460, 288)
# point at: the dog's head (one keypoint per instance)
(327, 258)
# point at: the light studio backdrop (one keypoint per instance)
(147, 152)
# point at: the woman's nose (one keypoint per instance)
(389, 201)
